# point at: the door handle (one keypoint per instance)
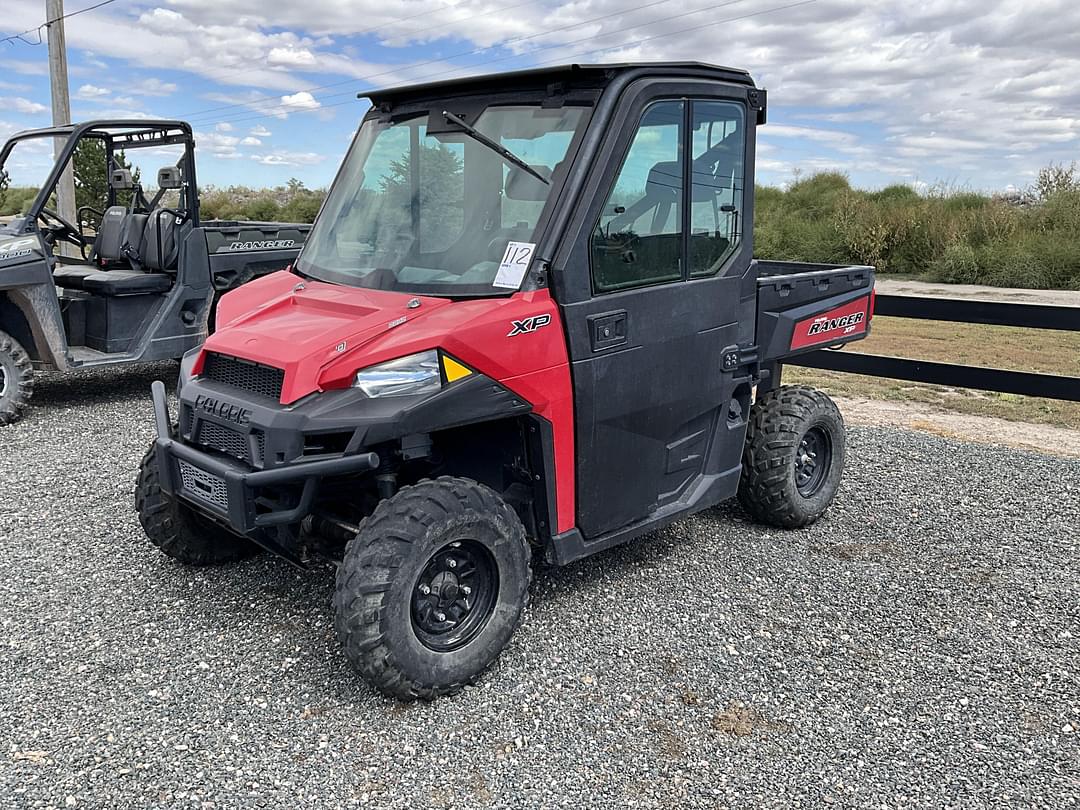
(607, 329)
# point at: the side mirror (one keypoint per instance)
(169, 177)
(121, 179)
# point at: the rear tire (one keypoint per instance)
(179, 531)
(794, 457)
(432, 588)
(16, 379)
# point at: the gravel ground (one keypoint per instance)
(918, 647)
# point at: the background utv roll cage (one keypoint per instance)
(117, 135)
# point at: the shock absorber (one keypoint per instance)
(386, 480)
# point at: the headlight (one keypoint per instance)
(414, 374)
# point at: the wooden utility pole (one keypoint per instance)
(61, 103)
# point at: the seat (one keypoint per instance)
(126, 282)
(160, 247)
(157, 252)
(120, 239)
(73, 276)
(148, 241)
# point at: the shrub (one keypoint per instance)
(946, 234)
(263, 208)
(16, 200)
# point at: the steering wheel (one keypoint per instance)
(623, 244)
(62, 229)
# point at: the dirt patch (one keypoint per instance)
(867, 552)
(889, 286)
(740, 720)
(1056, 441)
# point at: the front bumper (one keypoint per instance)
(228, 491)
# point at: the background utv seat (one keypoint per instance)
(157, 252)
(126, 282)
(160, 244)
(119, 240)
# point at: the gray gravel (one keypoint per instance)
(918, 647)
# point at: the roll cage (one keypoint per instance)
(118, 135)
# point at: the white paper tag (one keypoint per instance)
(514, 265)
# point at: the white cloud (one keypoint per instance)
(300, 101)
(116, 112)
(224, 126)
(829, 136)
(291, 57)
(38, 68)
(22, 105)
(17, 87)
(284, 158)
(90, 91)
(124, 101)
(259, 131)
(930, 87)
(250, 141)
(217, 144)
(152, 87)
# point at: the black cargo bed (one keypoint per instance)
(803, 306)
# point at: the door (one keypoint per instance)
(664, 256)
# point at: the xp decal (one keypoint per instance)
(16, 248)
(528, 324)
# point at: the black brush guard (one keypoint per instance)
(226, 491)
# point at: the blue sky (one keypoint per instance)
(962, 94)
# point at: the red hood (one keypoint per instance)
(306, 327)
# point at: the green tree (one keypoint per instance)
(442, 191)
(92, 174)
(301, 203)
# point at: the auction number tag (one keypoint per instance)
(514, 264)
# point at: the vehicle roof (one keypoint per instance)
(125, 125)
(588, 75)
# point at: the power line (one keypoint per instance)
(561, 57)
(257, 104)
(278, 105)
(224, 75)
(47, 23)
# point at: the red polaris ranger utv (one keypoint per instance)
(527, 318)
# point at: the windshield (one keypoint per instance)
(434, 213)
(25, 169)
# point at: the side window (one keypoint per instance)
(718, 144)
(638, 237)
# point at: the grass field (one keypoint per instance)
(1042, 350)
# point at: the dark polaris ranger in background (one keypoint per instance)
(527, 320)
(149, 274)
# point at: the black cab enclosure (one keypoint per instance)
(528, 318)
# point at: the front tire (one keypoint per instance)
(179, 531)
(16, 379)
(432, 588)
(793, 459)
